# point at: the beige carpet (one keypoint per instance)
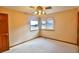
(43, 45)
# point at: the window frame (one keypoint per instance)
(41, 24)
(37, 25)
(46, 25)
(53, 21)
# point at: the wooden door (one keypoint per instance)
(78, 31)
(4, 35)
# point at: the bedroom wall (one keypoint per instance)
(18, 26)
(65, 26)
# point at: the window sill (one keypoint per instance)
(48, 29)
(34, 30)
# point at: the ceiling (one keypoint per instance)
(27, 9)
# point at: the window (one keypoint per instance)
(47, 24)
(50, 23)
(43, 24)
(34, 25)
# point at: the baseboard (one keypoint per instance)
(60, 40)
(24, 42)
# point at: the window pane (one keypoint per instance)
(50, 24)
(34, 25)
(43, 25)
